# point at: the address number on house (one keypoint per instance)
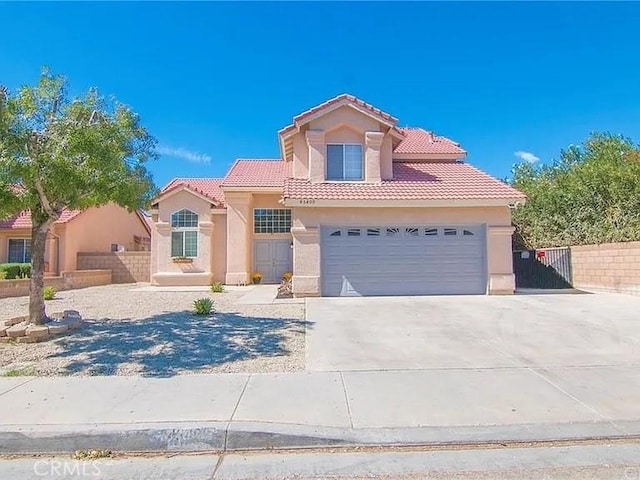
(306, 201)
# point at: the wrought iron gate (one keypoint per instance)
(543, 268)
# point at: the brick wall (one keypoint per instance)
(126, 267)
(66, 281)
(610, 267)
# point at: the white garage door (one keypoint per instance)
(403, 260)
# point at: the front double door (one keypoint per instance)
(272, 258)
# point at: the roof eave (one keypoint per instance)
(309, 202)
(180, 188)
(430, 156)
(254, 188)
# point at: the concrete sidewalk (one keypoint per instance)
(237, 411)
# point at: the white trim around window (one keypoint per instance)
(351, 167)
(184, 234)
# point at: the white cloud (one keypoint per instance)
(527, 156)
(184, 154)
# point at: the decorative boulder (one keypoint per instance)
(37, 331)
(56, 328)
(17, 330)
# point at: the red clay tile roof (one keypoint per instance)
(340, 98)
(258, 173)
(23, 219)
(209, 187)
(417, 140)
(412, 181)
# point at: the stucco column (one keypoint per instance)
(317, 153)
(500, 260)
(205, 230)
(50, 255)
(160, 248)
(239, 224)
(372, 156)
(306, 261)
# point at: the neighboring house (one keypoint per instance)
(98, 229)
(354, 206)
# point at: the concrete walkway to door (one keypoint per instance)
(265, 295)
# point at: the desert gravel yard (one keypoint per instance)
(129, 332)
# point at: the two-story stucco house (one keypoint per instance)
(354, 206)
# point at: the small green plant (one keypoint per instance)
(49, 293)
(19, 372)
(203, 306)
(217, 287)
(91, 454)
(256, 277)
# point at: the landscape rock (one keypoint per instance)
(56, 328)
(71, 314)
(14, 321)
(37, 331)
(27, 339)
(17, 330)
(71, 322)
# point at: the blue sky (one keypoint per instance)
(215, 81)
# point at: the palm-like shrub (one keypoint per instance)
(203, 306)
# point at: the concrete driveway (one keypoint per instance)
(472, 332)
(556, 363)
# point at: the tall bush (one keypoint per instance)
(590, 195)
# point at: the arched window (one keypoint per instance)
(184, 234)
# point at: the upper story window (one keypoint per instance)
(271, 220)
(184, 234)
(345, 162)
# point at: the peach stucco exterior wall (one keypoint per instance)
(240, 234)
(6, 235)
(306, 237)
(96, 229)
(343, 125)
(209, 265)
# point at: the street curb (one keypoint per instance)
(234, 436)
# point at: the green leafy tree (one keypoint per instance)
(590, 195)
(59, 153)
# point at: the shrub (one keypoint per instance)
(256, 277)
(217, 287)
(91, 454)
(3, 274)
(49, 293)
(203, 306)
(16, 270)
(287, 276)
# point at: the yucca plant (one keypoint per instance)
(217, 287)
(49, 293)
(203, 306)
